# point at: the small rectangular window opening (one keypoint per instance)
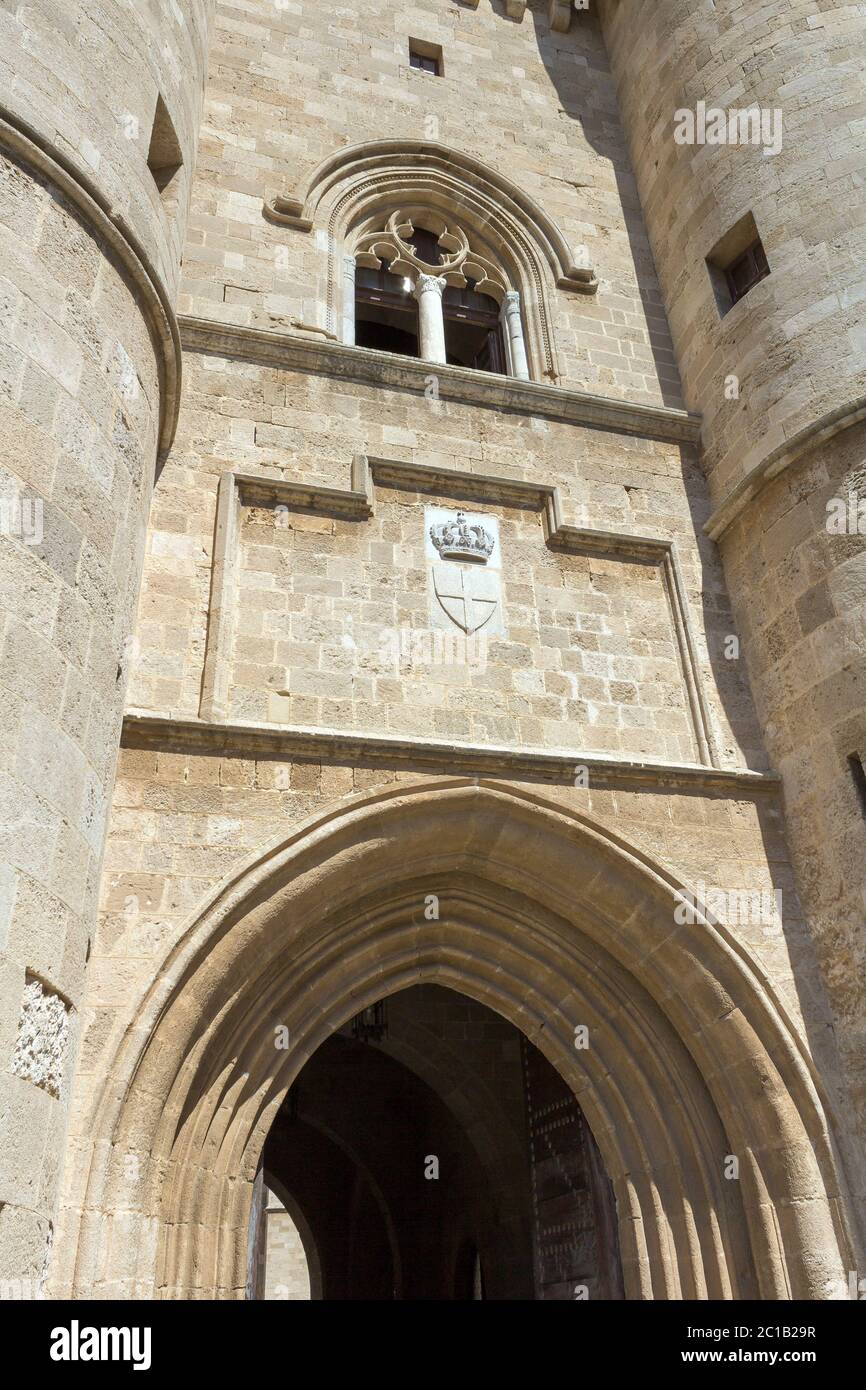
(737, 263)
(858, 773)
(426, 57)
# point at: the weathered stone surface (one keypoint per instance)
(43, 1038)
(248, 875)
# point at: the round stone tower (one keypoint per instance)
(776, 364)
(98, 124)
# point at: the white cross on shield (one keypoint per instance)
(468, 595)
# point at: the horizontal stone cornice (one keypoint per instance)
(321, 357)
(142, 729)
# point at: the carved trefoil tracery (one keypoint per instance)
(459, 265)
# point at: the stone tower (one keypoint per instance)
(491, 638)
(98, 129)
(784, 449)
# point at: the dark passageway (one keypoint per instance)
(433, 1153)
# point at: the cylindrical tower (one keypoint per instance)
(776, 364)
(98, 123)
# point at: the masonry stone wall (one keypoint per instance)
(587, 652)
(287, 1276)
(783, 446)
(801, 592)
(291, 85)
(83, 80)
(284, 663)
(277, 595)
(796, 340)
(89, 257)
(185, 821)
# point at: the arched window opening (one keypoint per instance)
(424, 291)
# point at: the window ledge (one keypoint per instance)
(326, 358)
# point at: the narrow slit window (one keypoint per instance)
(858, 773)
(164, 155)
(747, 270)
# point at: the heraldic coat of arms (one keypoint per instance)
(466, 591)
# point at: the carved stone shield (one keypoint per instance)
(470, 596)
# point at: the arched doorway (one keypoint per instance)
(436, 1154)
(550, 921)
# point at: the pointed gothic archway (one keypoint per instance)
(551, 922)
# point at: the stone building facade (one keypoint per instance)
(497, 673)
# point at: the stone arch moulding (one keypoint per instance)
(352, 186)
(549, 919)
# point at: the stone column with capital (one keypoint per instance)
(431, 322)
(513, 324)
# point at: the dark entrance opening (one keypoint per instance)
(440, 1156)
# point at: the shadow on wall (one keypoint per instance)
(603, 133)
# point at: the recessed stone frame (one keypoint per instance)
(549, 918)
(357, 503)
(354, 191)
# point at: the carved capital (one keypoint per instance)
(429, 282)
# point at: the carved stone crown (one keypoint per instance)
(458, 539)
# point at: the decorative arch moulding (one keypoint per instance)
(352, 192)
(289, 933)
(459, 259)
(356, 165)
(360, 183)
(357, 503)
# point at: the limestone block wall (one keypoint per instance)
(287, 1276)
(796, 340)
(83, 81)
(795, 345)
(314, 593)
(183, 821)
(89, 370)
(320, 632)
(292, 85)
(263, 608)
(801, 591)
